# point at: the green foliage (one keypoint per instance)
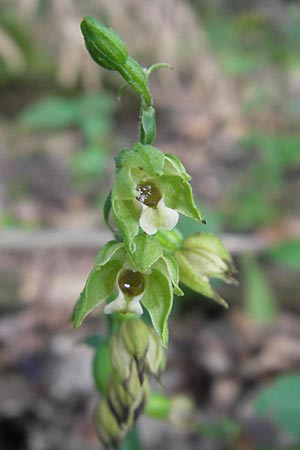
(286, 253)
(250, 41)
(260, 303)
(260, 199)
(91, 114)
(280, 403)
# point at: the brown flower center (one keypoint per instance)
(131, 283)
(148, 194)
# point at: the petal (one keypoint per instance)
(159, 218)
(123, 305)
(134, 305)
(118, 305)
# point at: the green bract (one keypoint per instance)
(202, 257)
(146, 277)
(151, 188)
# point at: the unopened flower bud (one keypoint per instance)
(104, 45)
(202, 257)
(107, 427)
(155, 357)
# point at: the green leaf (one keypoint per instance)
(112, 250)
(90, 161)
(286, 253)
(145, 158)
(157, 299)
(178, 195)
(137, 79)
(280, 403)
(147, 251)
(259, 298)
(99, 286)
(49, 114)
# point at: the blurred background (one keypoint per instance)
(230, 110)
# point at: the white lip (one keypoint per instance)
(158, 218)
(121, 304)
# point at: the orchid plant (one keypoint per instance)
(140, 270)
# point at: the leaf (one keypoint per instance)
(147, 251)
(286, 253)
(90, 161)
(178, 195)
(280, 402)
(98, 287)
(49, 114)
(158, 299)
(259, 299)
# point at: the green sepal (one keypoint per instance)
(144, 158)
(124, 187)
(103, 44)
(137, 79)
(147, 251)
(112, 250)
(157, 299)
(173, 166)
(178, 195)
(99, 286)
(147, 125)
(170, 240)
(209, 247)
(172, 271)
(126, 215)
(191, 278)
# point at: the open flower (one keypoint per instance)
(131, 286)
(155, 214)
(130, 283)
(150, 191)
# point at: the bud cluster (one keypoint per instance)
(135, 353)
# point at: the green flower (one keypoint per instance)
(144, 279)
(151, 188)
(201, 258)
